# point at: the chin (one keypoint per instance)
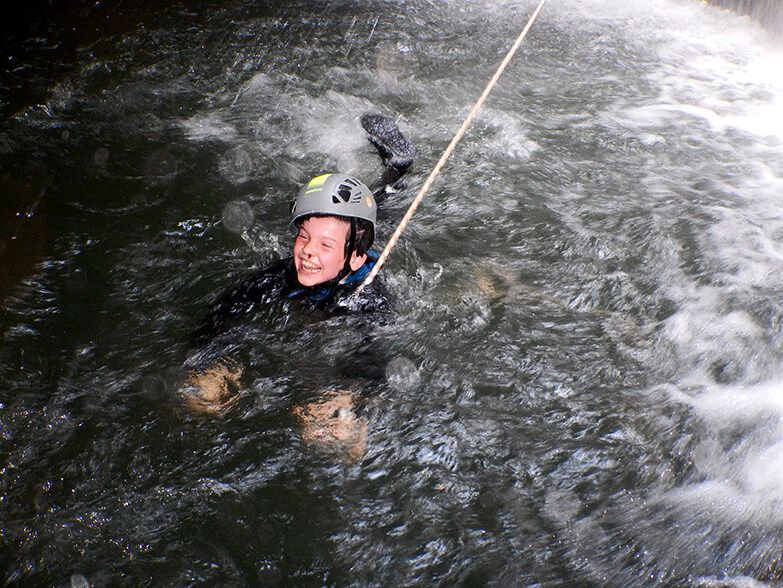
(308, 280)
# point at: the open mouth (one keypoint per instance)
(308, 266)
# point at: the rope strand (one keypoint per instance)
(447, 153)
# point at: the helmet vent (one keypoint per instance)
(344, 192)
(334, 195)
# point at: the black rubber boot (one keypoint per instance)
(384, 133)
(395, 150)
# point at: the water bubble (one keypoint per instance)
(159, 387)
(488, 499)
(238, 216)
(160, 164)
(101, 157)
(402, 374)
(236, 165)
(79, 581)
(154, 386)
(394, 59)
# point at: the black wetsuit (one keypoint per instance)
(278, 282)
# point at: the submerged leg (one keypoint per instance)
(331, 422)
(395, 150)
(212, 390)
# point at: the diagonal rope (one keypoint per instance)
(447, 153)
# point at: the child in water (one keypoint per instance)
(335, 217)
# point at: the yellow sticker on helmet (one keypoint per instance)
(368, 201)
(316, 183)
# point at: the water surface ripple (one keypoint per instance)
(579, 384)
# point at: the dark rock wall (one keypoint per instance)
(768, 12)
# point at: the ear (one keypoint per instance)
(357, 261)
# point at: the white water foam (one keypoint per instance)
(725, 82)
(722, 88)
(740, 457)
(208, 125)
(323, 123)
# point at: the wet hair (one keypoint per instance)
(365, 235)
(361, 234)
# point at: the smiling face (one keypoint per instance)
(319, 250)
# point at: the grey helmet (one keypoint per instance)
(335, 195)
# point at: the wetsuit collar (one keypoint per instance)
(363, 271)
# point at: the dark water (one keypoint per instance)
(581, 381)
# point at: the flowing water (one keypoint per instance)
(581, 381)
